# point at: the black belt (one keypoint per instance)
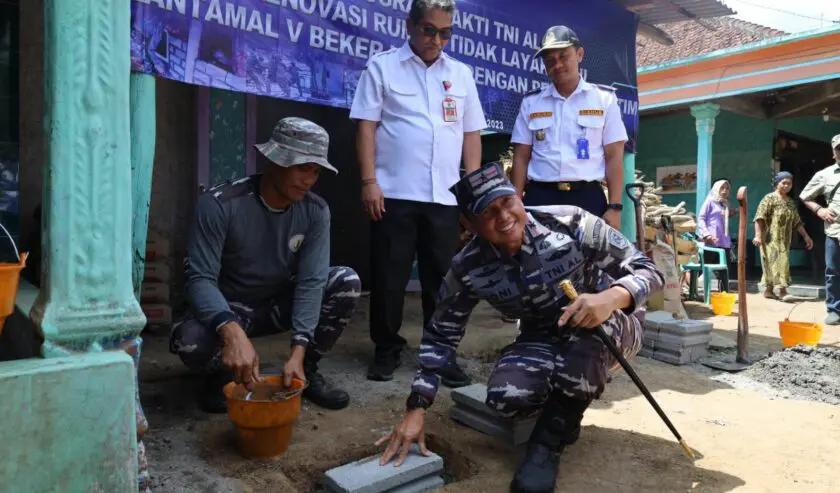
(567, 186)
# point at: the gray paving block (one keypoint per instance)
(367, 476)
(684, 357)
(654, 320)
(472, 396)
(421, 485)
(686, 327)
(513, 431)
(672, 341)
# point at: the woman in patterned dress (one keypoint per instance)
(775, 221)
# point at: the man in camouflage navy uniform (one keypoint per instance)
(557, 364)
(258, 263)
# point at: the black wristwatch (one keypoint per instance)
(416, 401)
(615, 207)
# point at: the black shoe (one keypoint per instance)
(318, 390)
(453, 376)
(558, 426)
(212, 398)
(385, 363)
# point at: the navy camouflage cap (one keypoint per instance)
(558, 37)
(297, 141)
(478, 189)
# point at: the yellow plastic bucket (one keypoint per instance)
(723, 303)
(9, 278)
(794, 333)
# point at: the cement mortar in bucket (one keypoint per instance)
(9, 278)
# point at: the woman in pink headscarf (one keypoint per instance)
(713, 226)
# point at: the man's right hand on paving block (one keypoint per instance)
(373, 200)
(407, 432)
(239, 355)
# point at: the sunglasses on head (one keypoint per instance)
(432, 31)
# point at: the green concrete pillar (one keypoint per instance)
(143, 134)
(86, 302)
(704, 115)
(628, 212)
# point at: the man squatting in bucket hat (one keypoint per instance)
(557, 364)
(258, 263)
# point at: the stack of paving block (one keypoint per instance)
(674, 341)
(154, 293)
(416, 475)
(470, 410)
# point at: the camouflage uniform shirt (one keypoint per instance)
(565, 243)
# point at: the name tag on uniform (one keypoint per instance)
(541, 114)
(591, 112)
(450, 110)
(583, 148)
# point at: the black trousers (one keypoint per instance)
(591, 198)
(407, 228)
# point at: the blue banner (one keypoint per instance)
(314, 50)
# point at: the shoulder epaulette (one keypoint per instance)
(232, 189)
(531, 93)
(604, 87)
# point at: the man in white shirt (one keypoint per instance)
(569, 137)
(824, 186)
(418, 115)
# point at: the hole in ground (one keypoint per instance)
(308, 477)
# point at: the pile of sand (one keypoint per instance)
(811, 373)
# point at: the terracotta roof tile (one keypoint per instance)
(692, 39)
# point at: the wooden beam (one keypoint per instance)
(822, 94)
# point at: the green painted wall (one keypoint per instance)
(743, 150)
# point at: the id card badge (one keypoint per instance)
(583, 148)
(450, 110)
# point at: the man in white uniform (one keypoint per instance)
(418, 115)
(569, 137)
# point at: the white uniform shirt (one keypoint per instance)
(552, 125)
(418, 153)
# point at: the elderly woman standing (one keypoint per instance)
(775, 221)
(712, 226)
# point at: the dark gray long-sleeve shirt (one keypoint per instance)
(241, 251)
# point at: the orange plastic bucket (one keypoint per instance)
(9, 279)
(264, 418)
(794, 333)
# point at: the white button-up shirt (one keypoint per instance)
(418, 153)
(552, 125)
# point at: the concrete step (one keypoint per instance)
(810, 291)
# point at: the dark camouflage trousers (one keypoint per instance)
(199, 347)
(574, 362)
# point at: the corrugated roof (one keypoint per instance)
(655, 12)
(692, 39)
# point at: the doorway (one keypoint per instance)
(803, 157)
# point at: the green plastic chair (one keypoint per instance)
(706, 269)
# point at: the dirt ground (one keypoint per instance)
(749, 435)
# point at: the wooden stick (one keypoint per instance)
(743, 323)
(569, 289)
